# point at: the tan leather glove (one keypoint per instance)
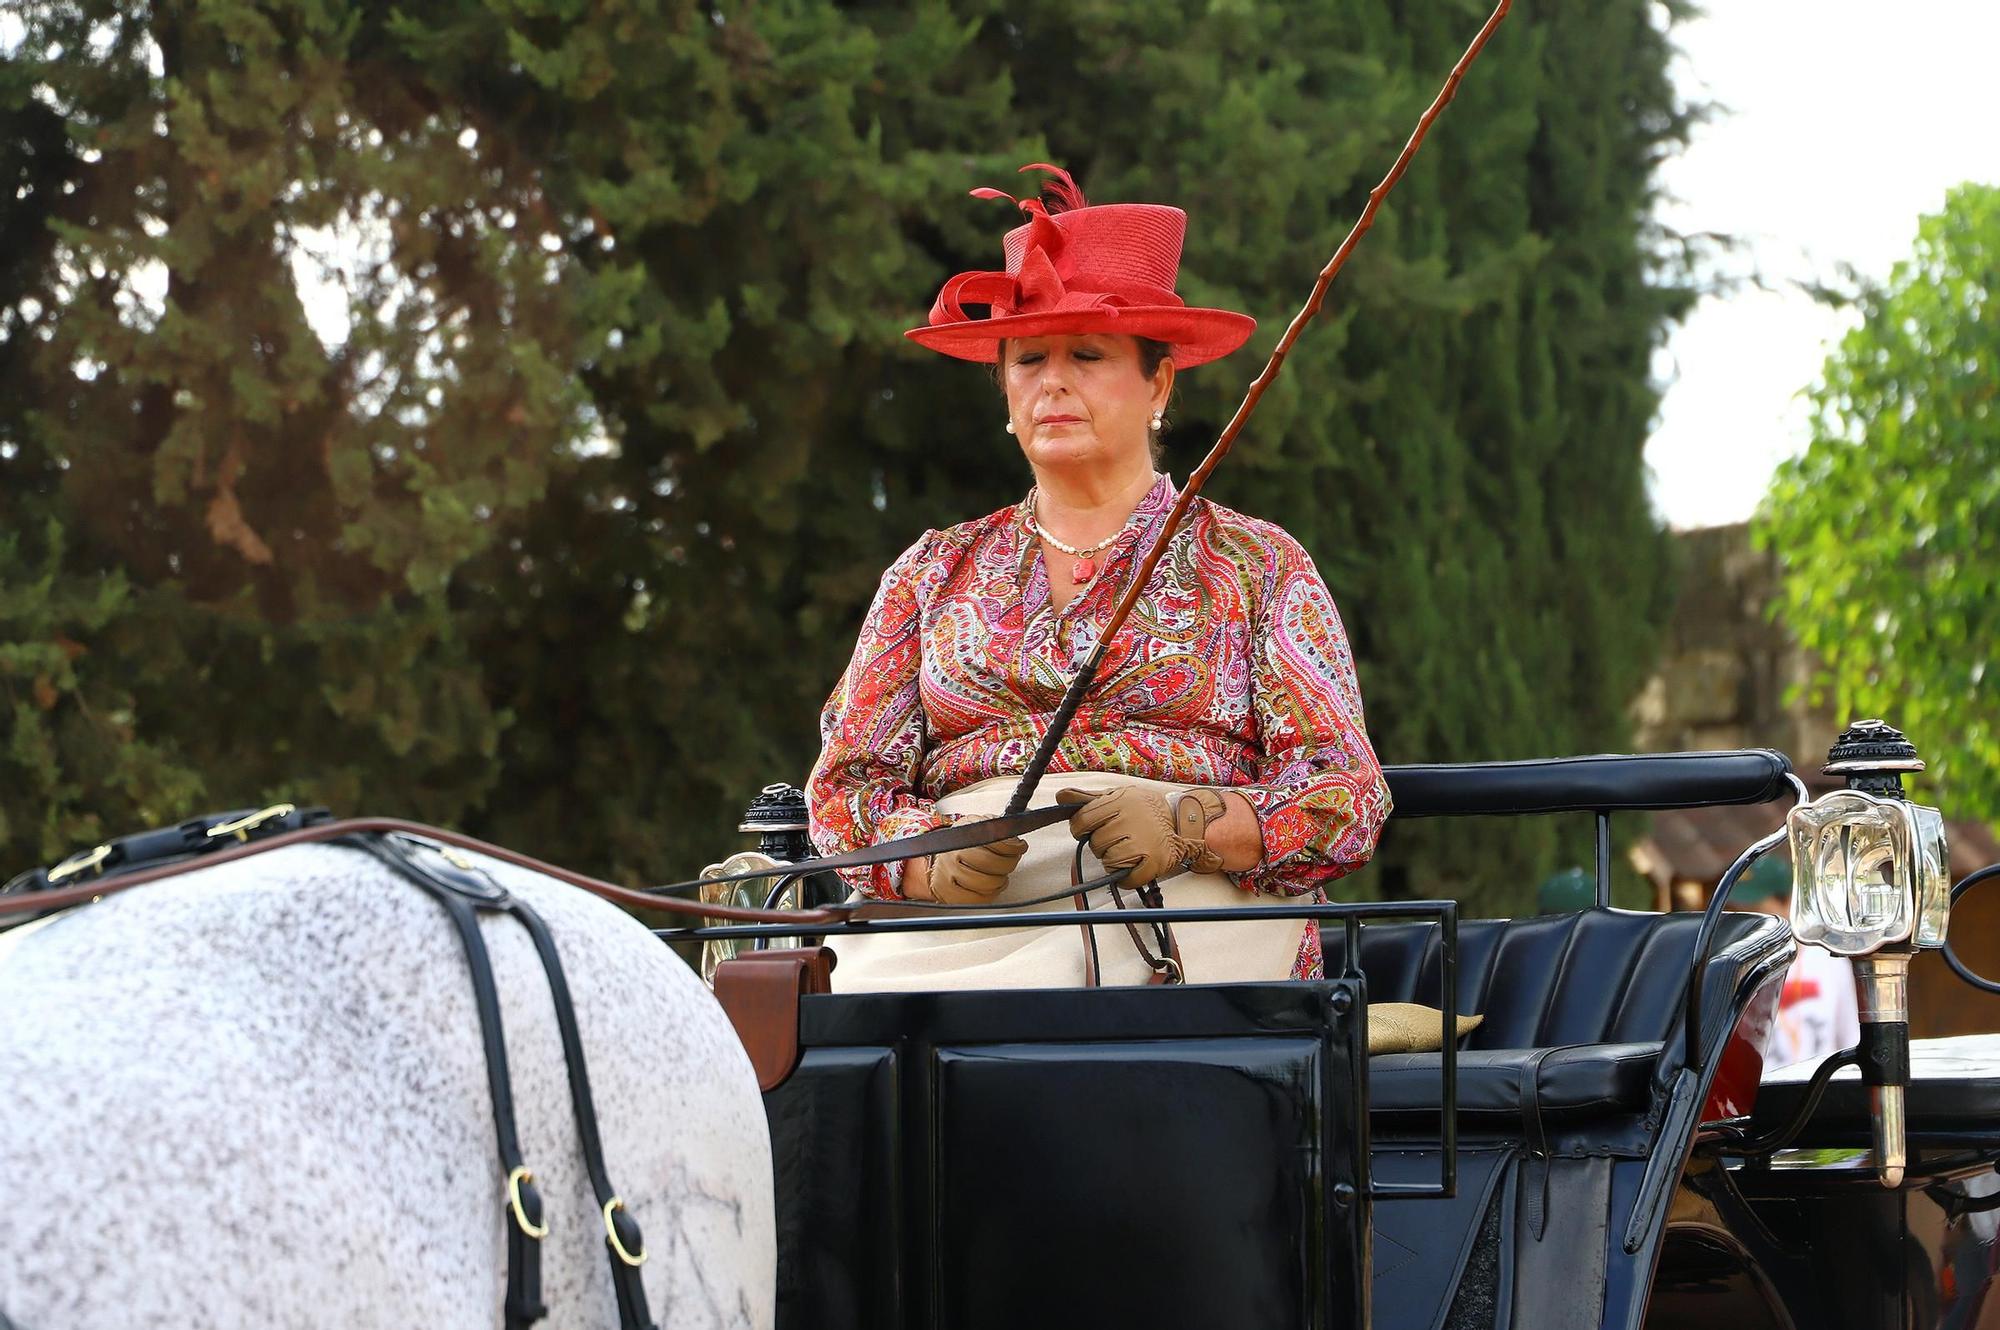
(974, 876)
(1155, 835)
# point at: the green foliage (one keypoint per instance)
(1889, 525)
(563, 533)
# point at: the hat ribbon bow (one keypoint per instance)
(1040, 287)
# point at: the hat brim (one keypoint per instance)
(1196, 335)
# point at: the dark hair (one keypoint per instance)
(1152, 355)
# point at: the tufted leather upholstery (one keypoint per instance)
(1604, 986)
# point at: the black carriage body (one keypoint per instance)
(1183, 1157)
(1180, 1157)
(1809, 1237)
(1201, 1156)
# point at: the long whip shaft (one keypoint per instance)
(1073, 696)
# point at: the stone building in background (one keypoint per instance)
(1729, 670)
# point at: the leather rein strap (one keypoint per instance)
(1165, 963)
(958, 836)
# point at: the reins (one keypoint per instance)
(958, 836)
(1073, 696)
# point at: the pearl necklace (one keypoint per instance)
(1086, 558)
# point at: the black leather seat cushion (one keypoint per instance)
(1603, 988)
(1575, 1083)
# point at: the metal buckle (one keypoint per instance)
(243, 826)
(85, 862)
(611, 1232)
(520, 1175)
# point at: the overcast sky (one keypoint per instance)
(1848, 121)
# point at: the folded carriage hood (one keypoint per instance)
(1954, 1097)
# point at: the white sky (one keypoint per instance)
(1849, 121)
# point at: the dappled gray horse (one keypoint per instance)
(255, 1095)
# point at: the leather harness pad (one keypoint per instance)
(760, 991)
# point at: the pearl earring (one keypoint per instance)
(1010, 427)
(1158, 421)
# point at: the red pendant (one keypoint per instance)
(1085, 570)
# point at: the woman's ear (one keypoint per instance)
(1163, 386)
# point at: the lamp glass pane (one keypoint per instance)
(1933, 874)
(1851, 872)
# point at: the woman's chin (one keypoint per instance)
(1069, 448)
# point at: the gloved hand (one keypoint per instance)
(974, 876)
(1153, 834)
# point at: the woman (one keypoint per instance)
(1223, 738)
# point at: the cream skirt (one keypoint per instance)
(1213, 953)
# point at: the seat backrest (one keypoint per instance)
(1595, 977)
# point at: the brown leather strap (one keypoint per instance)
(63, 897)
(1091, 976)
(760, 991)
(1166, 965)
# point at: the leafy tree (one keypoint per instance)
(1888, 525)
(552, 512)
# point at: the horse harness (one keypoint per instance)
(425, 857)
(465, 892)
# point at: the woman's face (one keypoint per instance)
(1081, 401)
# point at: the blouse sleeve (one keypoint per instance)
(1320, 796)
(863, 789)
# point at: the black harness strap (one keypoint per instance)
(165, 845)
(624, 1244)
(463, 891)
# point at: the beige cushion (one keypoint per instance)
(1410, 1027)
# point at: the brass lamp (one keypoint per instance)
(778, 817)
(1870, 882)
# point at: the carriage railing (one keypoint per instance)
(1349, 915)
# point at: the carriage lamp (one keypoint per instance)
(778, 817)
(1870, 882)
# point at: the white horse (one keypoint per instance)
(255, 1095)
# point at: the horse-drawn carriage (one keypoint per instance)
(1604, 1149)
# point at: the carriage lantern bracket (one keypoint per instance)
(1869, 882)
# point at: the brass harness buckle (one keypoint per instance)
(243, 826)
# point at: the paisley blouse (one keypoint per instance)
(1233, 671)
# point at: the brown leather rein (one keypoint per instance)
(954, 836)
(36, 902)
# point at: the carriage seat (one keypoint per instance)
(1579, 1008)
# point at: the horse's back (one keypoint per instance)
(256, 1094)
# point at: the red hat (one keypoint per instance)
(1076, 269)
